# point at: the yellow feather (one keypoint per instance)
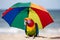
(30, 28)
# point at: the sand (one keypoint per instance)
(17, 36)
(14, 34)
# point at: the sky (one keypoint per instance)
(48, 4)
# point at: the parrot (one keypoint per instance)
(31, 28)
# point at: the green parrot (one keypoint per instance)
(31, 28)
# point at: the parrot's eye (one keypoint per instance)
(29, 21)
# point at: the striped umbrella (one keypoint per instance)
(16, 14)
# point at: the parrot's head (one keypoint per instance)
(28, 22)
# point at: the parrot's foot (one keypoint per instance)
(34, 37)
(27, 36)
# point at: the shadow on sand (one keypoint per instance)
(54, 37)
(38, 37)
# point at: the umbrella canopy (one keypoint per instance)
(16, 14)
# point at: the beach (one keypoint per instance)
(18, 36)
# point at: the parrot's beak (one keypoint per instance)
(25, 22)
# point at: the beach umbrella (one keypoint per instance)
(16, 14)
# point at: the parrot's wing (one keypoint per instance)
(37, 30)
